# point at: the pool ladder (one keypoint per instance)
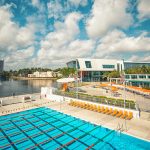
(120, 128)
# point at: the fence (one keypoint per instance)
(99, 99)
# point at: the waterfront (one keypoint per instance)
(20, 87)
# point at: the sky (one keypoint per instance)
(48, 33)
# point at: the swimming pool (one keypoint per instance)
(44, 128)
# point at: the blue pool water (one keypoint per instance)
(44, 128)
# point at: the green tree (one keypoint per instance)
(138, 70)
(66, 72)
(114, 74)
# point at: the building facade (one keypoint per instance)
(92, 70)
(1, 65)
(141, 80)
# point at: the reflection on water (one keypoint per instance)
(40, 83)
(18, 87)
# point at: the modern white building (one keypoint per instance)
(93, 69)
(1, 65)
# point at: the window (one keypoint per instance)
(72, 64)
(78, 65)
(142, 76)
(118, 67)
(88, 64)
(127, 76)
(134, 76)
(96, 73)
(108, 66)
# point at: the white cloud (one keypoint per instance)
(64, 32)
(107, 15)
(19, 58)
(16, 43)
(117, 42)
(55, 9)
(144, 58)
(36, 3)
(62, 45)
(76, 3)
(12, 36)
(144, 9)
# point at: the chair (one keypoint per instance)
(120, 113)
(99, 109)
(110, 111)
(102, 109)
(94, 108)
(106, 110)
(130, 116)
(125, 114)
(114, 112)
(87, 106)
(74, 103)
(77, 104)
(91, 106)
(81, 104)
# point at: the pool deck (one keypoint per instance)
(136, 127)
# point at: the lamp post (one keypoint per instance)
(76, 79)
(124, 85)
(124, 93)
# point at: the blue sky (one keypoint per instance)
(48, 33)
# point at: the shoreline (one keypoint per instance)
(33, 78)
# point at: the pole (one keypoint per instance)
(76, 79)
(124, 93)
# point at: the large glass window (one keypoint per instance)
(96, 73)
(127, 76)
(132, 65)
(142, 76)
(108, 66)
(133, 76)
(88, 64)
(72, 64)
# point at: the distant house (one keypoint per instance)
(37, 74)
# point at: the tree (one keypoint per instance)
(138, 70)
(66, 72)
(114, 74)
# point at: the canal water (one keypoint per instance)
(19, 87)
